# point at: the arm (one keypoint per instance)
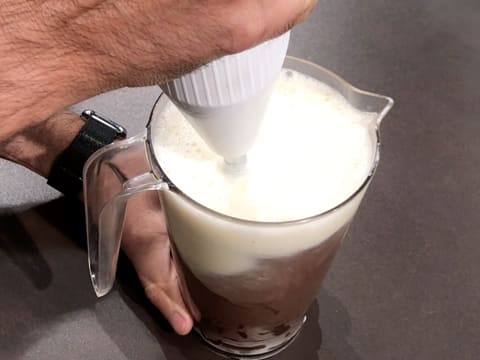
(56, 53)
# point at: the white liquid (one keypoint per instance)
(312, 153)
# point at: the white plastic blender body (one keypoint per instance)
(225, 100)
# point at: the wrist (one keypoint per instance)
(37, 145)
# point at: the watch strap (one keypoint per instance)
(66, 172)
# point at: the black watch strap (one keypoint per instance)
(66, 172)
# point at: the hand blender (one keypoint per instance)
(225, 100)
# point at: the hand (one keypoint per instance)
(145, 239)
(146, 42)
(57, 53)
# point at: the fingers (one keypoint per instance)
(167, 298)
(309, 6)
(282, 15)
(146, 243)
(253, 21)
(151, 258)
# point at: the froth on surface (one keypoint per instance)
(313, 151)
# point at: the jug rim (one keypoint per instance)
(161, 176)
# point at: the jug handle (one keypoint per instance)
(110, 179)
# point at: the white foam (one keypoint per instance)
(312, 153)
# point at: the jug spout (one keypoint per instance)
(360, 99)
(387, 106)
(370, 102)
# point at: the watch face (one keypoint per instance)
(119, 131)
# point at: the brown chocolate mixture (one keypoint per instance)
(266, 302)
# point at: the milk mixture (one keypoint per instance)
(313, 151)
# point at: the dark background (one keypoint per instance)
(406, 283)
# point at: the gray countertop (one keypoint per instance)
(406, 283)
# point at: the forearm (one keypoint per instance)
(37, 78)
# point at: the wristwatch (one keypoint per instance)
(66, 172)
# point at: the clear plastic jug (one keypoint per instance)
(250, 313)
